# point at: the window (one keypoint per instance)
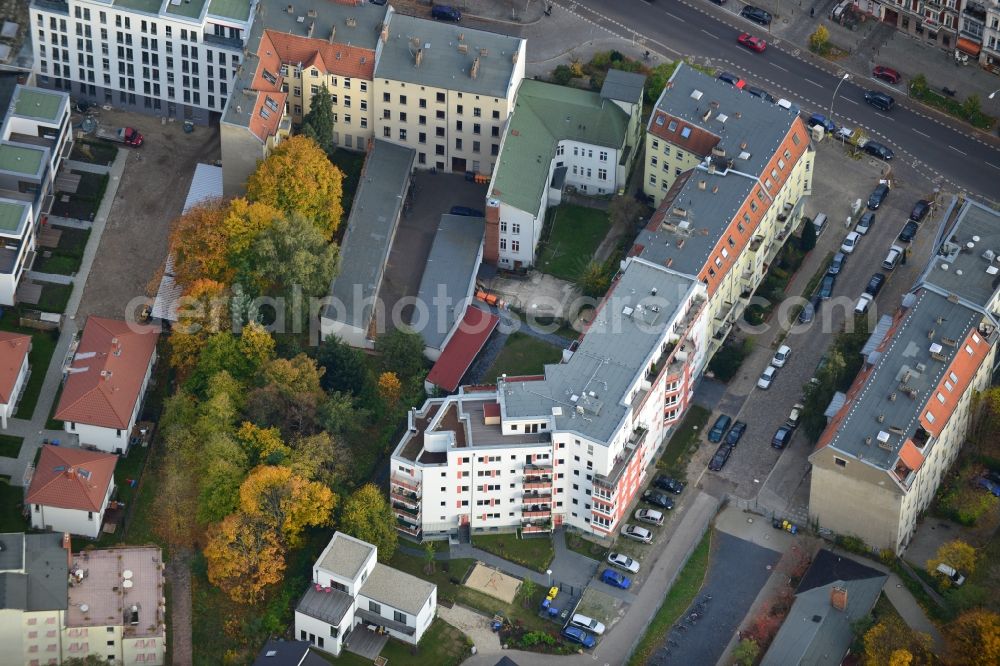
(602, 174)
(503, 226)
(515, 246)
(840, 462)
(399, 617)
(515, 228)
(440, 97)
(929, 416)
(503, 243)
(374, 607)
(402, 134)
(387, 132)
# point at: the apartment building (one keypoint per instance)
(934, 21)
(989, 56)
(559, 138)
(172, 58)
(33, 570)
(880, 461)
(730, 174)
(571, 446)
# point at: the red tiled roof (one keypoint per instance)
(468, 339)
(13, 348)
(336, 58)
(107, 372)
(72, 478)
(266, 117)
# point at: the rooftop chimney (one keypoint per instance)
(290, 9)
(838, 598)
(310, 29)
(419, 57)
(68, 545)
(474, 72)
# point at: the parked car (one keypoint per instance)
(669, 484)
(753, 43)
(650, 516)
(637, 533)
(578, 635)
(586, 623)
(887, 74)
(657, 499)
(876, 149)
(718, 461)
(756, 14)
(736, 433)
(880, 100)
(782, 436)
(865, 223)
(878, 195)
(809, 311)
(850, 242)
(731, 79)
(956, 578)
(615, 579)
(781, 356)
(892, 258)
(795, 415)
(826, 287)
(445, 13)
(908, 231)
(875, 283)
(767, 377)
(864, 302)
(837, 264)
(719, 429)
(623, 561)
(466, 211)
(761, 93)
(820, 119)
(920, 210)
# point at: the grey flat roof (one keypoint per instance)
(623, 86)
(42, 586)
(398, 589)
(442, 64)
(906, 357)
(367, 19)
(451, 268)
(963, 270)
(345, 555)
(615, 349)
(12, 553)
(370, 230)
(282, 653)
(330, 607)
(686, 242)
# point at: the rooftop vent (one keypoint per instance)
(290, 9)
(989, 255)
(883, 439)
(696, 94)
(351, 22)
(992, 270)
(701, 185)
(474, 72)
(744, 155)
(722, 118)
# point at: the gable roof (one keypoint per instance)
(107, 372)
(623, 86)
(71, 478)
(13, 348)
(328, 58)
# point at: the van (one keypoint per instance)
(956, 578)
(819, 223)
(891, 259)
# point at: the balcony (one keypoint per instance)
(52, 6)
(406, 512)
(536, 512)
(538, 470)
(221, 40)
(538, 484)
(404, 496)
(601, 510)
(406, 482)
(634, 444)
(412, 530)
(537, 528)
(536, 498)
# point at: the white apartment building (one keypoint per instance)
(571, 446)
(172, 58)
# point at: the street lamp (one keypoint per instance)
(835, 90)
(992, 94)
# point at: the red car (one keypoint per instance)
(886, 74)
(753, 43)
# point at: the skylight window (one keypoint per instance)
(686, 132)
(672, 127)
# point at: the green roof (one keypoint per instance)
(187, 8)
(35, 103)
(148, 6)
(20, 159)
(233, 9)
(11, 215)
(544, 115)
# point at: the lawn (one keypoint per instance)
(523, 355)
(535, 553)
(11, 499)
(84, 203)
(574, 236)
(54, 297)
(441, 645)
(43, 344)
(10, 446)
(680, 596)
(685, 438)
(67, 257)
(350, 163)
(585, 547)
(94, 152)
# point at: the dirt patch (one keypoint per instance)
(493, 582)
(150, 195)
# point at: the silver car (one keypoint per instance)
(623, 561)
(637, 533)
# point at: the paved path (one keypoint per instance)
(54, 278)
(179, 577)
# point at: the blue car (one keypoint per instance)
(823, 121)
(616, 579)
(986, 484)
(578, 635)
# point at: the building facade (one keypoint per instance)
(934, 21)
(14, 371)
(882, 457)
(989, 57)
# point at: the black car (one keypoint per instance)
(731, 79)
(920, 210)
(756, 14)
(719, 429)
(875, 284)
(721, 456)
(782, 436)
(465, 211)
(445, 13)
(670, 485)
(879, 194)
(809, 311)
(761, 93)
(880, 100)
(879, 150)
(736, 433)
(657, 499)
(909, 231)
(837, 264)
(826, 287)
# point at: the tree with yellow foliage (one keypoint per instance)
(286, 502)
(202, 311)
(389, 388)
(892, 635)
(974, 638)
(956, 554)
(298, 178)
(263, 445)
(368, 516)
(244, 556)
(900, 657)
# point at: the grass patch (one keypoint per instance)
(11, 500)
(969, 110)
(441, 645)
(94, 152)
(523, 355)
(10, 446)
(574, 234)
(43, 344)
(585, 547)
(54, 297)
(684, 439)
(67, 257)
(53, 423)
(535, 553)
(83, 204)
(814, 281)
(351, 164)
(680, 596)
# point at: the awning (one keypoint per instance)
(968, 46)
(470, 336)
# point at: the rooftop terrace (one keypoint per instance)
(968, 262)
(118, 587)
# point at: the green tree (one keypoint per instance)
(918, 85)
(345, 367)
(819, 40)
(340, 415)
(527, 590)
(401, 351)
(89, 660)
(562, 75)
(368, 516)
(318, 123)
(807, 241)
(745, 652)
(956, 554)
(657, 79)
(594, 280)
(428, 557)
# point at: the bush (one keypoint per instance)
(853, 544)
(727, 361)
(533, 638)
(562, 75)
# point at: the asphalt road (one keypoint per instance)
(687, 30)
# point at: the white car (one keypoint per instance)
(765, 379)
(781, 356)
(587, 624)
(637, 533)
(850, 242)
(623, 562)
(863, 304)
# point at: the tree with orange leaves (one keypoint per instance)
(974, 638)
(286, 502)
(389, 388)
(244, 555)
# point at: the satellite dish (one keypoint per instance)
(127, 584)
(84, 608)
(127, 574)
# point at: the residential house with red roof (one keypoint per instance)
(71, 489)
(106, 381)
(14, 371)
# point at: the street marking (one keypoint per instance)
(710, 34)
(779, 67)
(676, 17)
(994, 166)
(848, 99)
(921, 133)
(956, 150)
(812, 82)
